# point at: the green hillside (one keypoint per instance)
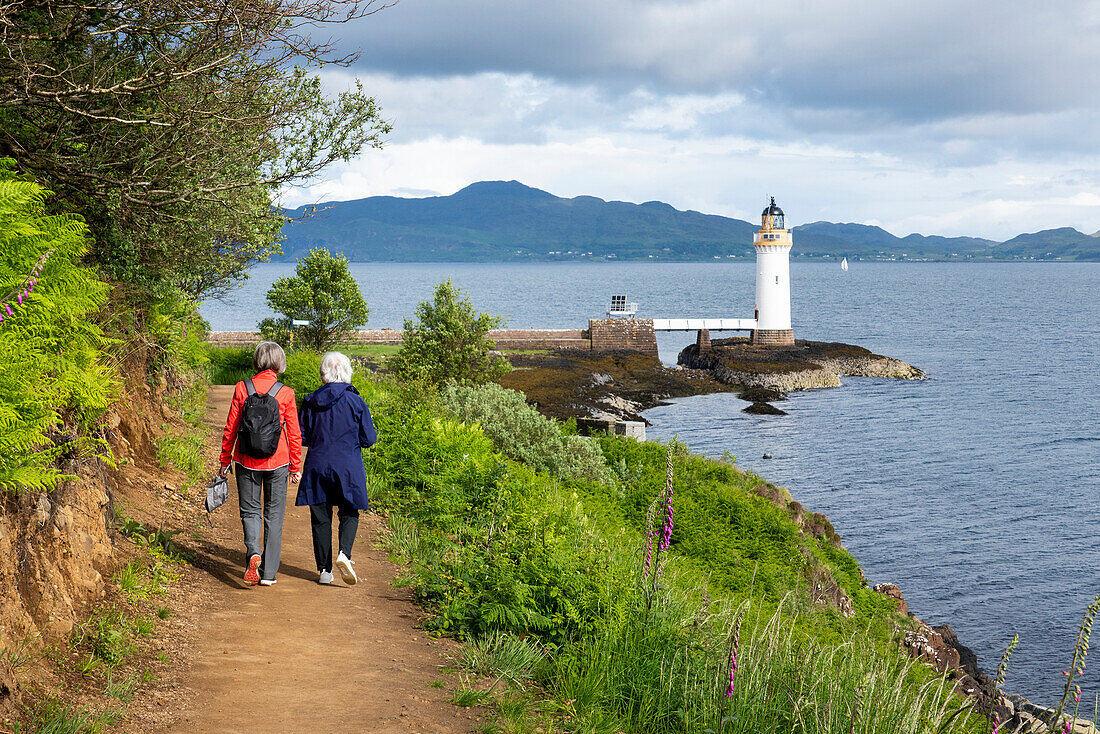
(498, 221)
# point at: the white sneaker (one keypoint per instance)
(325, 578)
(267, 582)
(344, 564)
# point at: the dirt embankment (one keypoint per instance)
(804, 366)
(59, 549)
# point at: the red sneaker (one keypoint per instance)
(252, 575)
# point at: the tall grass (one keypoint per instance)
(543, 576)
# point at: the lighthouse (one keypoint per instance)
(773, 280)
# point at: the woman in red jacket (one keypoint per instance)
(262, 475)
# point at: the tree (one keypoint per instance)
(322, 292)
(450, 341)
(170, 126)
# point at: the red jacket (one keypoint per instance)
(290, 441)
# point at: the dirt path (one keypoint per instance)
(297, 656)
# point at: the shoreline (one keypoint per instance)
(570, 384)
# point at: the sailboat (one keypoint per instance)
(844, 265)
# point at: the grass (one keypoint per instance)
(468, 697)
(160, 544)
(107, 636)
(543, 577)
(53, 716)
(184, 452)
(505, 657)
(368, 350)
(190, 402)
(121, 688)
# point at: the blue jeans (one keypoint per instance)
(262, 498)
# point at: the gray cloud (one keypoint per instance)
(929, 116)
(909, 61)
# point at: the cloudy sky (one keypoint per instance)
(975, 118)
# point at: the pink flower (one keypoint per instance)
(8, 307)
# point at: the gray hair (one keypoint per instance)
(269, 356)
(335, 367)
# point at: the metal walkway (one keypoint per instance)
(709, 324)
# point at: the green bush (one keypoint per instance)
(522, 433)
(54, 385)
(449, 342)
(303, 373)
(229, 365)
(322, 292)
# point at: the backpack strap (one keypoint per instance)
(249, 387)
(274, 389)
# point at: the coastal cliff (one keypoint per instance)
(804, 366)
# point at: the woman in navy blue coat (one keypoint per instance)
(336, 426)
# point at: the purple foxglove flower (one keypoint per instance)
(9, 310)
(20, 299)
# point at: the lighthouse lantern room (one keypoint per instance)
(773, 280)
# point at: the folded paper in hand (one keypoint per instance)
(217, 493)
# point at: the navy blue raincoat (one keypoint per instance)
(336, 425)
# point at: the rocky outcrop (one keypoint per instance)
(894, 592)
(761, 395)
(941, 649)
(763, 409)
(804, 366)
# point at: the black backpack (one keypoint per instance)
(261, 423)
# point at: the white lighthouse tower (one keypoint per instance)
(773, 280)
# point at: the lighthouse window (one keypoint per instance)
(777, 280)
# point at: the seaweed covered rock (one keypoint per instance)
(803, 366)
(763, 409)
(762, 395)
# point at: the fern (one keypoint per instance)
(54, 387)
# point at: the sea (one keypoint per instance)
(977, 490)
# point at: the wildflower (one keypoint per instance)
(8, 307)
(735, 646)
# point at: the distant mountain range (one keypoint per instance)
(494, 221)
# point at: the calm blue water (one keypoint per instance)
(977, 491)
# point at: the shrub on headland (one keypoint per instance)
(322, 293)
(520, 432)
(449, 342)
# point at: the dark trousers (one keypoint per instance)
(262, 498)
(320, 519)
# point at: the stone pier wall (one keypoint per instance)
(504, 338)
(602, 335)
(626, 335)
